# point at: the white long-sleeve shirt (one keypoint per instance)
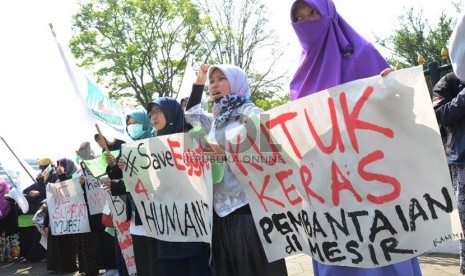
(228, 195)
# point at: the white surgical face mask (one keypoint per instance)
(135, 131)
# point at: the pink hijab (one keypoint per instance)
(5, 205)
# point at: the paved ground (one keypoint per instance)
(432, 264)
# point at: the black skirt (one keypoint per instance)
(237, 249)
(29, 244)
(61, 256)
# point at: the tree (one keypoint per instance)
(137, 47)
(271, 103)
(237, 32)
(416, 36)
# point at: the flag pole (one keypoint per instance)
(21, 163)
(100, 136)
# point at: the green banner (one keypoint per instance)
(110, 231)
(103, 108)
(98, 166)
(25, 221)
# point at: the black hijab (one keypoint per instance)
(174, 116)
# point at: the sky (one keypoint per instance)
(35, 90)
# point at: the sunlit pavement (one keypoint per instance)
(432, 264)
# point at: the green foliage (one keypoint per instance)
(415, 37)
(238, 32)
(137, 47)
(267, 104)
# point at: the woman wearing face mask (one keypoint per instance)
(138, 125)
(145, 248)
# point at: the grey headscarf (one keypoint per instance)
(69, 166)
(85, 152)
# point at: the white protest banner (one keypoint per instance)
(20, 199)
(39, 222)
(172, 189)
(358, 176)
(67, 208)
(95, 195)
(118, 208)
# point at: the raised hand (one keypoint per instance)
(202, 74)
(121, 163)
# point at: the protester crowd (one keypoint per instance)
(335, 49)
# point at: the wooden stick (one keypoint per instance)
(100, 136)
(19, 161)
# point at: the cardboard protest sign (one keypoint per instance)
(355, 175)
(67, 208)
(171, 187)
(95, 195)
(39, 222)
(118, 208)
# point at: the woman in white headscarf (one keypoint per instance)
(457, 48)
(236, 246)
